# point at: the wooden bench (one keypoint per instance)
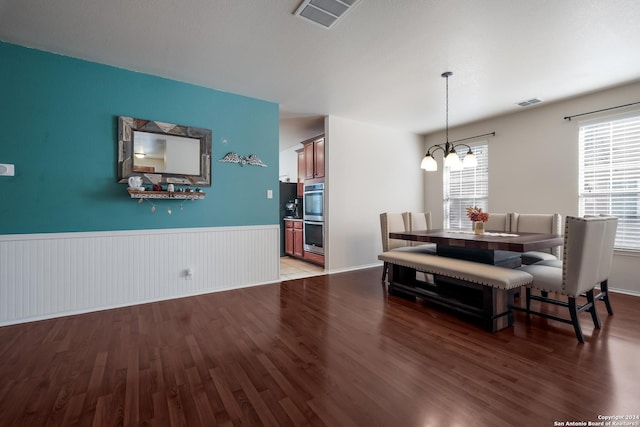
(481, 291)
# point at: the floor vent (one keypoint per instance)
(324, 12)
(529, 102)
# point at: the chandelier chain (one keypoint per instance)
(447, 111)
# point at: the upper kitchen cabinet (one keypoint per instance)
(313, 153)
(301, 172)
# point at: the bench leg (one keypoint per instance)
(497, 314)
(400, 275)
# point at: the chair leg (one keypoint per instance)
(592, 309)
(604, 289)
(573, 310)
(385, 267)
(528, 296)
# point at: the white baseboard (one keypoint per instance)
(355, 268)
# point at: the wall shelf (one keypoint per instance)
(175, 195)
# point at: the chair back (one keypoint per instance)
(538, 223)
(390, 223)
(588, 249)
(416, 221)
(498, 222)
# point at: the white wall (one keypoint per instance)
(369, 170)
(533, 164)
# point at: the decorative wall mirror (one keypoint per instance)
(163, 153)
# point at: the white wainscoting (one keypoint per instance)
(51, 275)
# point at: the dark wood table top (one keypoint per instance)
(523, 242)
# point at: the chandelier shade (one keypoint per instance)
(429, 163)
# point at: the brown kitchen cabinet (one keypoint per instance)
(288, 237)
(293, 238)
(313, 153)
(301, 173)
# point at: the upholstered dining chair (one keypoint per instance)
(419, 221)
(603, 295)
(498, 222)
(390, 223)
(537, 223)
(398, 222)
(587, 254)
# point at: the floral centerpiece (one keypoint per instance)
(475, 214)
(478, 217)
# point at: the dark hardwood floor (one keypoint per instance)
(326, 350)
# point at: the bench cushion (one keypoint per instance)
(484, 274)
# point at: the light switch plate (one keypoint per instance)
(269, 194)
(7, 169)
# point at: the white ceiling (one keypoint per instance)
(380, 64)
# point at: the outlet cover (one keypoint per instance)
(7, 169)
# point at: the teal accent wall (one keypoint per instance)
(58, 125)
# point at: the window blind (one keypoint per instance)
(466, 187)
(610, 175)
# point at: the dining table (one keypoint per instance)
(490, 306)
(492, 247)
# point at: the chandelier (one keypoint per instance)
(451, 159)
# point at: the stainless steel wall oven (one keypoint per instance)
(314, 202)
(314, 237)
(313, 216)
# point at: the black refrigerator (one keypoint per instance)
(288, 191)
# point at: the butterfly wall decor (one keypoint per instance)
(251, 159)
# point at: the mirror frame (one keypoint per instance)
(126, 127)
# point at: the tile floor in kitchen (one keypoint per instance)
(293, 268)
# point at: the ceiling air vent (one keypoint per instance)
(529, 102)
(324, 12)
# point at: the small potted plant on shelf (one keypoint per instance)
(478, 218)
